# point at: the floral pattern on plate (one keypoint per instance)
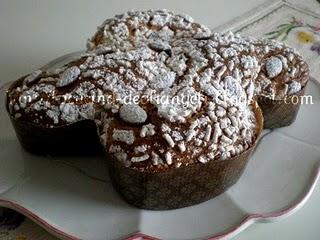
(306, 33)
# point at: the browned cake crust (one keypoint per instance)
(149, 140)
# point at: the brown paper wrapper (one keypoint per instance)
(280, 113)
(78, 139)
(179, 187)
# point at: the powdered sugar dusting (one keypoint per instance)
(125, 136)
(132, 113)
(68, 76)
(153, 26)
(219, 76)
(273, 66)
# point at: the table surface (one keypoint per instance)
(34, 32)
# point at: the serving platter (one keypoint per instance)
(72, 197)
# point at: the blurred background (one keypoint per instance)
(34, 32)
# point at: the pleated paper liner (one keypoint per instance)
(76, 139)
(280, 113)
(180, 187)
(82, 138)
(174, 188)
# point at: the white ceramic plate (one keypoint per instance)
(73, 198)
